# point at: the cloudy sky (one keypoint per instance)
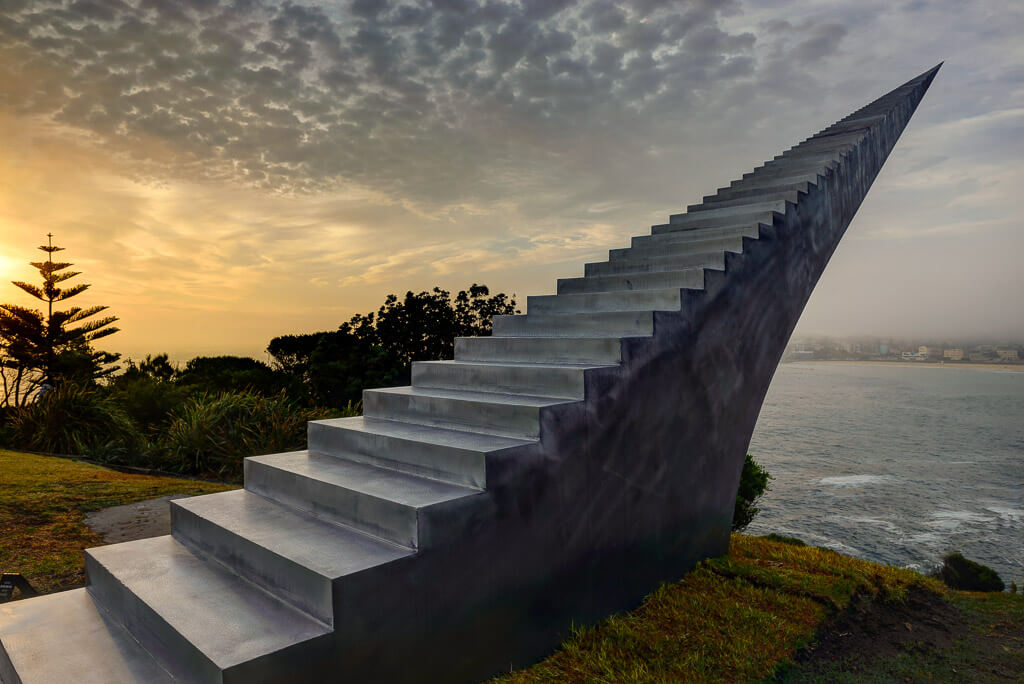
(227, 171)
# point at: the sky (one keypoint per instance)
(225, 171)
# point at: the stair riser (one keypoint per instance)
(723, 221)
(459, 466)
(742, 201)
(169, 648)
(824, 143)
(809, 160)
(379, 517)
(725, 244)
(760, 183)
(610, 324)
(566, 383)
(630, 300)
(657, 264)
(507, 420)
(691, 279)
(595, 350)
(729, 215)
(728, 194)
(786, 170)
(281, 577)
(676, 238)
(834, 148)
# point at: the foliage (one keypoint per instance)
(212, 374)
(753, 484)
(72, 419)
(42, 504)
(212, 433)
(52, 347)
(964, 574)
(783, 539)
(378, 348)
(149, 402)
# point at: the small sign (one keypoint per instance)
(9, 581)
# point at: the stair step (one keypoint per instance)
(831, 150)
(534, 379)
(693, 223)
(294, 556)
(690, 278)
(66, 637)
(849, 125)
(378, 501)
(784, 170)
(760, 182)
(853, 137)
(730, 194)
(654, 264)
(201, 622)
(655, 249)
(452, 456)
(727, 215)
(600, 324)
(666, 239)
(788, 196)
(666, 299)
(507, 415)
(593, 350)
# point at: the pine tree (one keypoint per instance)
(38, 348)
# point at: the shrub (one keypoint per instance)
(783, 539)
(961, 573)
(76, 420)
(211, 434)
(753, 484)
(147, 401)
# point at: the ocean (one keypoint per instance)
(896, 463)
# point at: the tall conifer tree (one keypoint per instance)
(54, 347)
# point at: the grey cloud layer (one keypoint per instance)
(441, 102)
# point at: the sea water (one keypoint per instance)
(896, 463)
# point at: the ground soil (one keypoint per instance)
(925, 638)
(150, 518)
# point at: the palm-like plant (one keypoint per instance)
(50, 348)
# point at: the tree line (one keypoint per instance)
(61, 395)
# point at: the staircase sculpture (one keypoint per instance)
(550, 475)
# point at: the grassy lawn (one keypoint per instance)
(768, 611)
(734, 618)
(43, 501)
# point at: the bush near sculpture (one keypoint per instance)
(203, 418)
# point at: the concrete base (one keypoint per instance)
(552, 474)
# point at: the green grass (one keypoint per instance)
(734, 618)
(43, 501)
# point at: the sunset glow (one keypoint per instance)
(223, 176)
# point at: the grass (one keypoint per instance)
(742, 617)
(734, 618)
(43, 501)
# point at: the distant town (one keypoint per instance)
(881, 349)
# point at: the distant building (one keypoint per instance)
(1006, 354)
(955, 354)
(930, 352)
(980, 356)
(883, 349)
(912, 356)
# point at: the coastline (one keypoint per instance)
(1010, 368)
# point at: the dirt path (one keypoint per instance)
(150, 518)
